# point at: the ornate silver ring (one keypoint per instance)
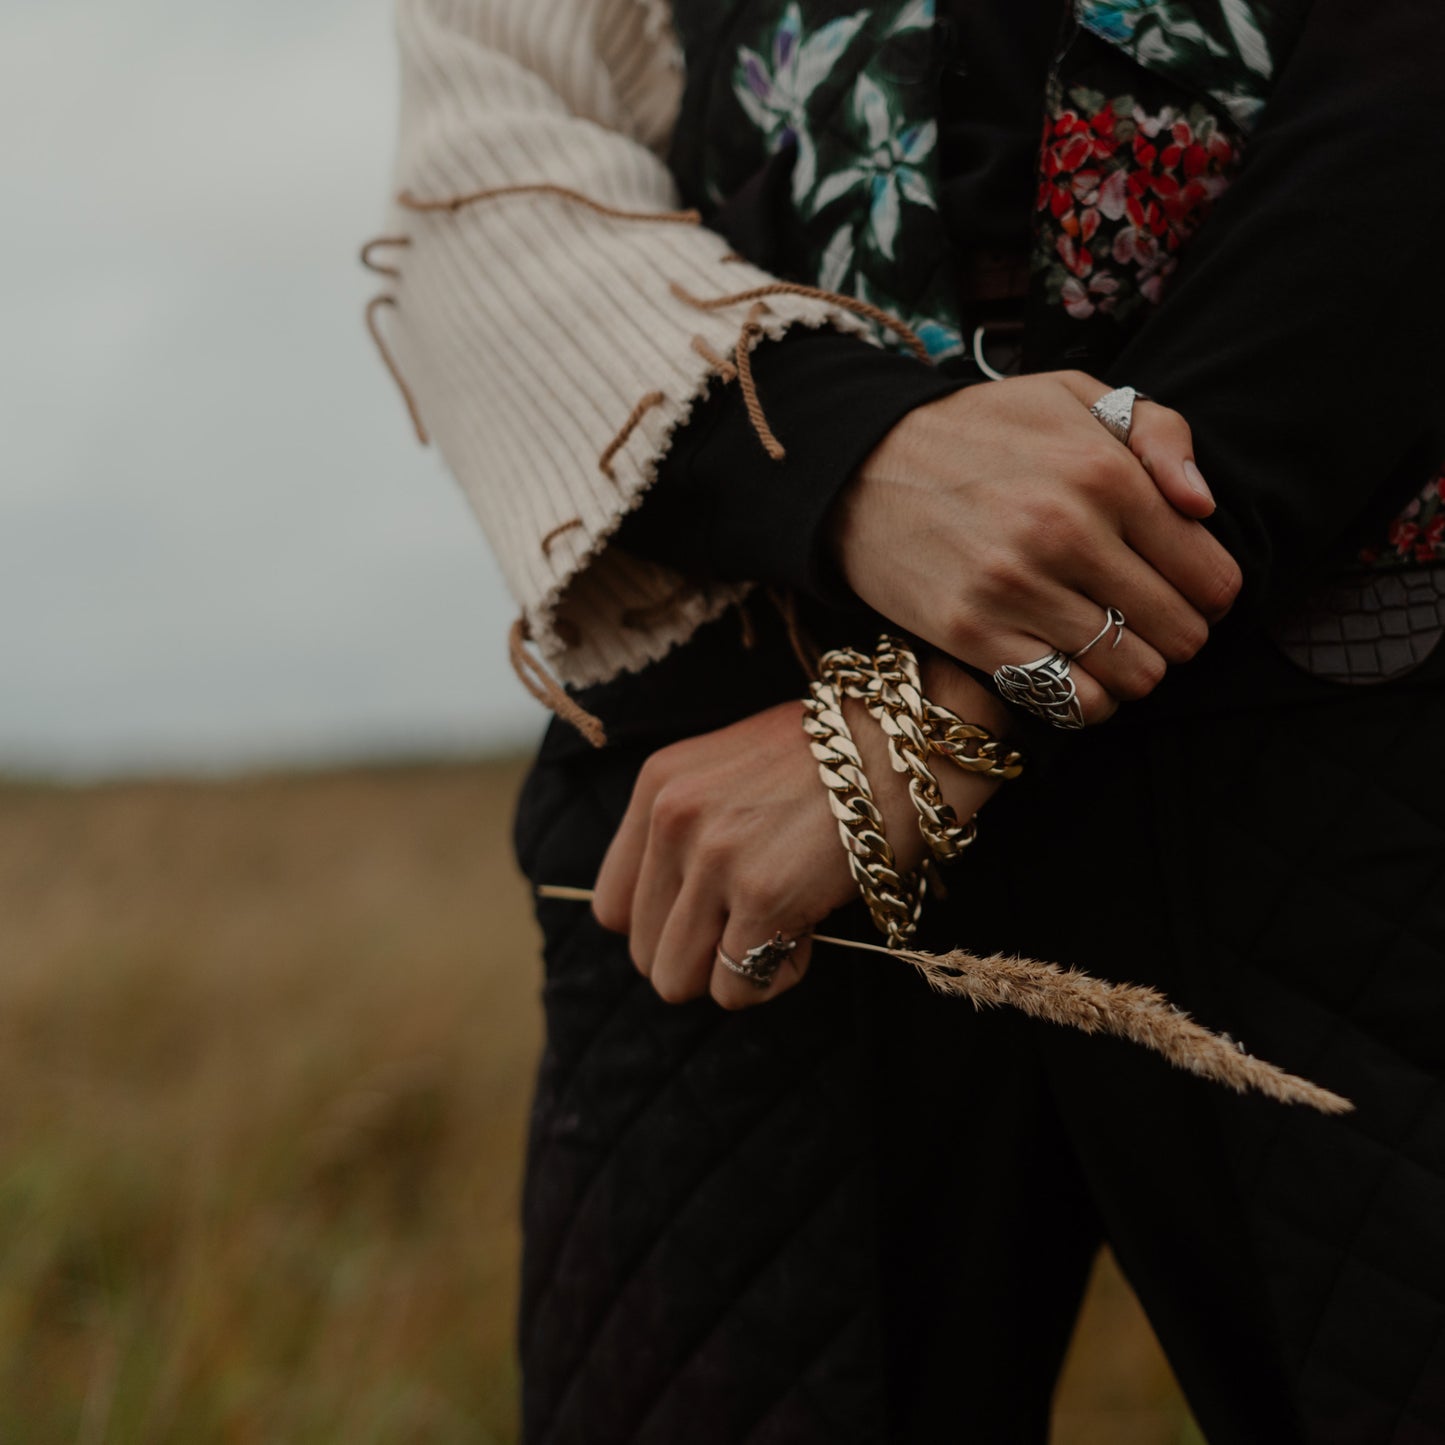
(1115, 409)
(1112, 618)
(1044, 688)
(759, 965)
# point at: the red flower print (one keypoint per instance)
(1075, 257)
(1082, 301)
(1417, 535)
(1123, 188)
(1402, 536)
(1113, 195)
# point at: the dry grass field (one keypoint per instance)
(264, 1062)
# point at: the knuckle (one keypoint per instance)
(965, 634)
(655, 771)
(1186, 638)
(727, 997)
(1099, 709)
(712, 852)
(1151, 671)
(1054, 525)
(676, 987)
(1222, 587)
(1144, 677)
(999, 576)
(756, 895)
(609, 912)
(675, 810)
(1105, 473)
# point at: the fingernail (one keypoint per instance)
(1196, 481)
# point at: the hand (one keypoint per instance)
(999, 522)
(728, 838)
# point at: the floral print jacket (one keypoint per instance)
(814, 123)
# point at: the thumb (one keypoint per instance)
(1164, 444)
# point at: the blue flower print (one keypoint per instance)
(1228, 58)
(888, 172)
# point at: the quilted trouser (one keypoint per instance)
(864, 1213)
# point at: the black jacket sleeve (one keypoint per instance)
(721, 507)
(1303, 337)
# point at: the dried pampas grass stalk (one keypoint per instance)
(1069, 996)
(1127, 1010)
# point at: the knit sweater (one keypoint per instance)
(551, 314)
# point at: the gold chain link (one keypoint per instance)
(878, 689)
(889, 687)
(967, 745)
(895, 901)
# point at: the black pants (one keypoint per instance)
(865, 1213)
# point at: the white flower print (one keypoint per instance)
(1232, 64)
(916, 15)
(775, 92)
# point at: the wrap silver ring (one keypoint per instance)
(1115, 409)
(1112, 618)
(759, 965)
(1044, 688)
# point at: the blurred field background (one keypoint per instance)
(265, 1053)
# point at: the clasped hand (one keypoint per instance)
(999, 522)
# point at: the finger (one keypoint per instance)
(659, 882)
(1163, 442)
(686, 951)
(741, 933)
(1120, 660)
(617, 878)
(1096, 704)
(1193, 560)
(1155, 611)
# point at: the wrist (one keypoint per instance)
(957, 689)
(881, 498)
(841, 529)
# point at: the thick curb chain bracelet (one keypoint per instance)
(965, 744)
(867, 681)
(889, 687)
(895, 901)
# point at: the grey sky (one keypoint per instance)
(219, 543)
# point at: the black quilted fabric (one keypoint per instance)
(1367, 627)
(1337, 964)
(689, 1172)
(864, 1214)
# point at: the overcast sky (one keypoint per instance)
(219, 544)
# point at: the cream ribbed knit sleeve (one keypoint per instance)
(531, 327)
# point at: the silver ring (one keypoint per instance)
(1115, 409)
(1044, 688)
(759, 965)
(1112, 618)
